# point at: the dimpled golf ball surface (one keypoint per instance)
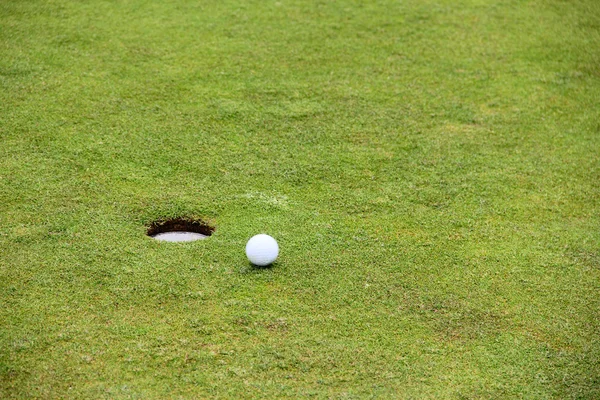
(262, 250)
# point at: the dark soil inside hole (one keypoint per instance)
(180, 225)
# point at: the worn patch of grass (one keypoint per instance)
(430, 169)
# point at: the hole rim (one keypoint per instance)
(179, 224)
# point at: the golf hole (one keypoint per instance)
(180, 230)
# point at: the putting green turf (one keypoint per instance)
(430, 168)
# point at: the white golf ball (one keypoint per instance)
(262, 250)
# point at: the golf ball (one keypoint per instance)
(262, 250)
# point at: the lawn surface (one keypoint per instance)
(430, 168)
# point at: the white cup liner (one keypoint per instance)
(179, 236)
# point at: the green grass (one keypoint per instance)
(431, 170)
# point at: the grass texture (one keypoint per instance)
(430, 168)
